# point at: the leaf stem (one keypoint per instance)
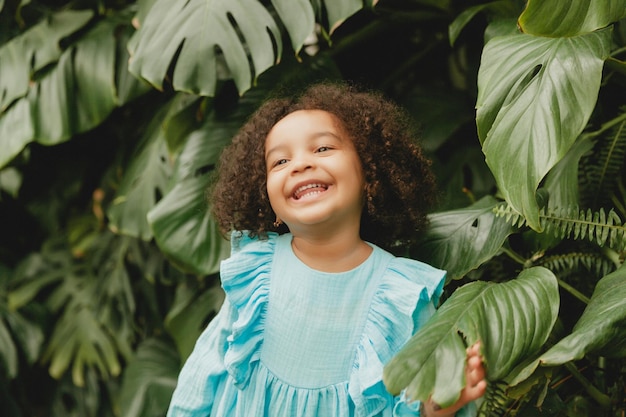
(513, 255)
(582, 297)
(602, 399)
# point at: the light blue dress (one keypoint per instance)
(291, 341)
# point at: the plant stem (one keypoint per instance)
(513, 255)
(601, 398)
(582, 297)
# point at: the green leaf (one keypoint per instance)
(185, 231)
(462, 20)
(339, 11)
(80, 341)
(562, 180)
(600, 329)
(35, 49)
(535, 97)
(298, 18)
(143, 184)
(8, 351)
(564, 18)
(181, 221)
(73, 96)
(190, 313)
(149, 379)
(512, 320)
(191, 35)
(16, 130)
(461, 240)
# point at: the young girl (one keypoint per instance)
(315, 188)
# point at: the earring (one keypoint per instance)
(278, 222)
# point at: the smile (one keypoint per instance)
(309, 190)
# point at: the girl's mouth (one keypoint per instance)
(309, 190)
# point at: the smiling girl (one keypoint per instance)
(316, 190)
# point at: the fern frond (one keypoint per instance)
(572, 223)
(561, 264)
(600, 168)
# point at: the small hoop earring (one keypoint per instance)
(277, 223)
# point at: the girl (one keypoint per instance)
(316, 189)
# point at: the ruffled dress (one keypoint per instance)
(291, 341)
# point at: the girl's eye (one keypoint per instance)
(281, 161)
(323, 149)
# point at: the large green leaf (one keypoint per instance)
(461, 240)
(191, 35)
(569, 18)
(191, 310)
(562, 181)
(35, 49)
(298, 17)
(181, 221)
(73, 96)
(535, 97)
(512, 320)
(143, 184)
(149, 380)
(8, 355)
(600, 329)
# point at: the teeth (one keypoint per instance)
(300, 190)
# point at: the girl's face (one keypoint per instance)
(314, 175)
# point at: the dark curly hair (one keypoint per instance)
(400, 187)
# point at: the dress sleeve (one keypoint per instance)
(229, 345)
(204, 370)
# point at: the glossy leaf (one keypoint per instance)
(298, 17)
(143, 184)
(512, 320)
(461, 240)
(190, 313)
(562, 181)
(181, 221)
(8, 355)
(600, 329)
(149, 379)
(33, 50)
(535, 97)
(569, 18)
(74, 96)
(190, 35)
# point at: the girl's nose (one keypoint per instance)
(301, 164)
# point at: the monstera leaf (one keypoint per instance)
(181, 221)
(528, 117)
(76, 94)
(33, 50)
(512, 320)
(188, 316)
(197, 33)
(149, 379)
(194, 38)
(144, 181)
(558, 18)
(461, 240)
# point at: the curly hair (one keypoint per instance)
(400, 187)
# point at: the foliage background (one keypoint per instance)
(113, 113)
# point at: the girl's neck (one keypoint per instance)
(339, 253)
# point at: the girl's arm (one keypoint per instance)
(475, 387)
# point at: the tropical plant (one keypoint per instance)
(113, 114)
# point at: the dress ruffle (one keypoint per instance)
(407, 287)
(245, 278)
